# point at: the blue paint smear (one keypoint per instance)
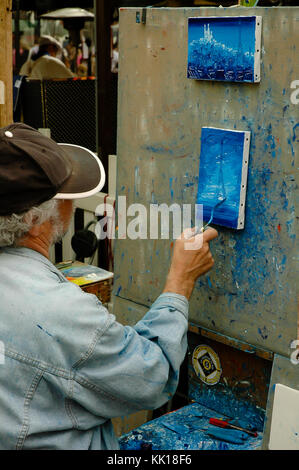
(158, 149)
(296, 133)
(118, 290)
(220, 171)
(221, 48)
(136, 184)
(263, 332)
(41, 328)
(171, 187)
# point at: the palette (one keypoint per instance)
(223, 176)
(224, 48)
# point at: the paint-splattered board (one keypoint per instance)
(185, 429)
(251, 292)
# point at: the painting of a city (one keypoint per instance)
(224, 48)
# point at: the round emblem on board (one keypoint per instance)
(206, 364)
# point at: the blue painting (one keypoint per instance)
(223, 176)
(224, 48)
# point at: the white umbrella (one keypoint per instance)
(65, 13)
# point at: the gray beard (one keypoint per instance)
(58, 230)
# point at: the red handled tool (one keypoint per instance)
(221, 423)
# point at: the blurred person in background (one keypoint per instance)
(24, 52)
(45, 63)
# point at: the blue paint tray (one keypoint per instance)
(223, 176)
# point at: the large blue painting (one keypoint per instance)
(223, 176)
(224, 48)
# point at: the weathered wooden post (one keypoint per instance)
(6, 96)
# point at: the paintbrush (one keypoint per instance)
(225, 424)
(212, 213)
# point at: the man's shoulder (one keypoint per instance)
(25, 260)
(50, 67)
(44, 316)
(50, 59)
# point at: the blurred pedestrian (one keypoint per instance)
(44, 64)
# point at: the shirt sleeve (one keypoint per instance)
(127, 369)
(26, 68)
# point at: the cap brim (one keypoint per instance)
(88, 174)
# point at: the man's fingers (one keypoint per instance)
(194, 243)
(209, 234)
(188, 233)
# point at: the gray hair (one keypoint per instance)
(13, 227)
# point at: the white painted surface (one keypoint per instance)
(284, 433)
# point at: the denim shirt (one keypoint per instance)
(69, 366)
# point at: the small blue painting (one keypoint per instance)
(223, 176)
(224, 48)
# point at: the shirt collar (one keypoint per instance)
(28, 253)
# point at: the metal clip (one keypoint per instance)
(143, 16)
(143, 19)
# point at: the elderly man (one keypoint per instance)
(69, 366)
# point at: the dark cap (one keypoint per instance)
(34, 169)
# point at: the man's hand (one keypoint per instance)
(191, 258)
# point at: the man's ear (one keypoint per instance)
(35, 231)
